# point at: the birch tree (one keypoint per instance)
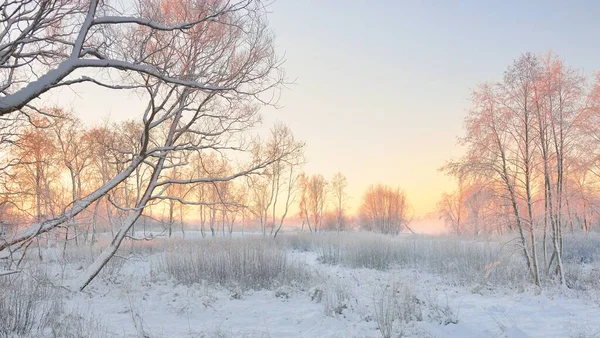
(490, 154)
(516, 96)
(526, 136)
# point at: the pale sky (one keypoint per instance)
(382, 86)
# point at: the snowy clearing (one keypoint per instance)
(255, 287)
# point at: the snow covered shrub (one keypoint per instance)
(478, 262)
(332, 294)
(26, 305)
(394, 305)
(581, 261)
(385, 315)
(316, 293)
(298, 242)
(236, 293)
(76, 325)
(375, 252)
(363, 250)
(284, 292)
(75, 258)
(463, 261)
(248, 263)
(581, 248)
(335, 298)
(30, 306)
(582, 278)
(442, 314)
(330, 251)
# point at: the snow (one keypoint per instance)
(133, 301)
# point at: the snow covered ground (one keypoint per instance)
(135, 297)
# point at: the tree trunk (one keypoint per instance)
(92, 271)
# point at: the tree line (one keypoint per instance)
(56, 161)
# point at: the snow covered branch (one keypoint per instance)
(30, 38)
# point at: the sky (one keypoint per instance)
(380, 88)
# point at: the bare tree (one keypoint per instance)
(312, 204)
(384, 209)
(516, 94)
(172, 56)
(491, 155)
(523, 135)
(285, 172)
(273, 192)
(33, 181)
(450, 208)
(563, 103)
(197, 120)
(73, 148)
(338, 192)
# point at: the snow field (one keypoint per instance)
(304, 285)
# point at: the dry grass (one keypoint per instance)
(464, 261)
(30, 306)
(249, 263)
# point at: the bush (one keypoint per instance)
(335, 298)
(579, 278)
(298, 242)
(371, 251)
(26, 306)
(247, 263)
(74, 325)
(463, 261)
(581, 248)
(396, 304)
(441, 314)
(31, 307)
